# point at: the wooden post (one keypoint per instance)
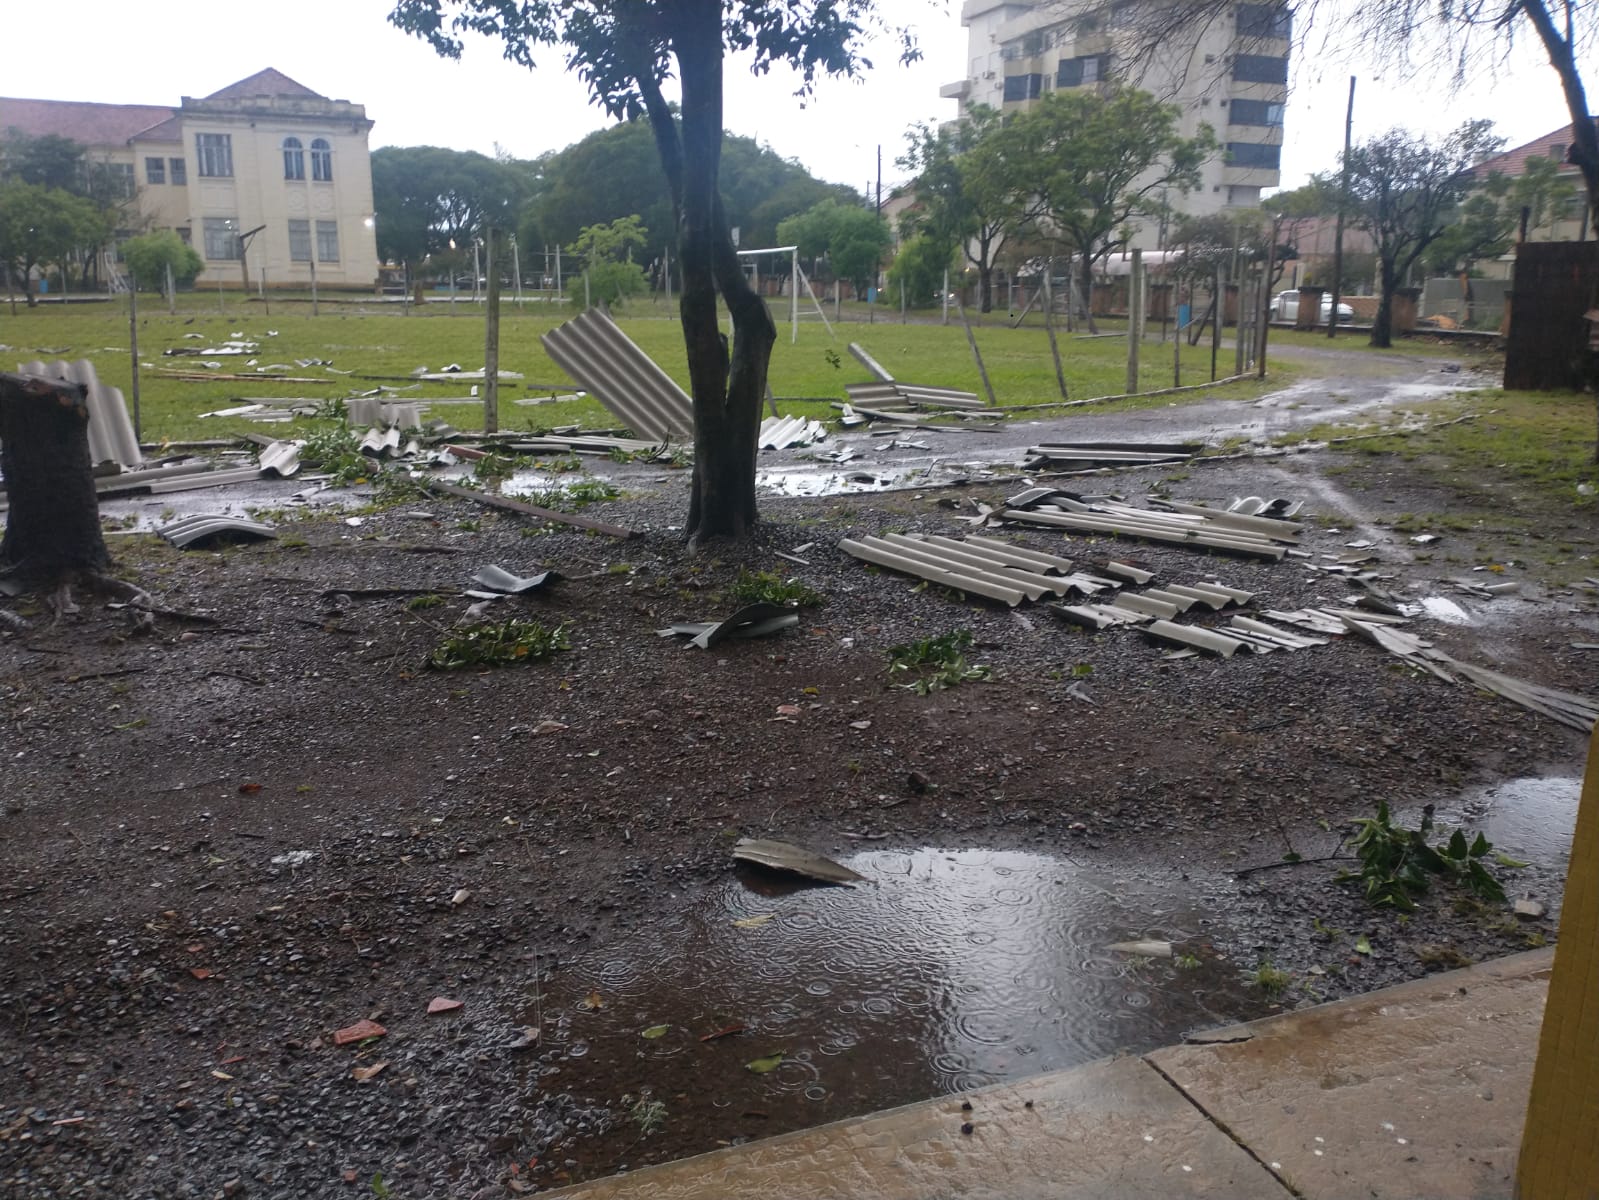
(1264, 311)
(1176, 334)
(1218, 305)
(1135, 284)
(945, 298)
(1049, 327)
(491, 341)
(1560, 1142)
(172, 293)
(977, 355)
(133, 342)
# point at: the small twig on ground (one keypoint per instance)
(103, 674)
(1294, 862)
(250, 679)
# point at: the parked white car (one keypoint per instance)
(1286, 308)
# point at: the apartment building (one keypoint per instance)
(266, 178)
(1230, 72)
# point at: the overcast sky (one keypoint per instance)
(139, 51)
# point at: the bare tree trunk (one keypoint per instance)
(1382, 326)
(53, 526)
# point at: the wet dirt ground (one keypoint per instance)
(224, 843)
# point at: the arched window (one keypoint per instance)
(293, 159)
(321, 160)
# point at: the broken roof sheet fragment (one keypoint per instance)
(753, 620)
(497, 579)
(777, 433)
(203, 530)
(1193, 635)
(606, 362)
(1149, 526)
(795, 860)
(279, 459)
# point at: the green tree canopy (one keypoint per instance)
(150, 255)
(1102, 160)
(425, 197)
(1404, 190)
(974, 189)
(41, 225)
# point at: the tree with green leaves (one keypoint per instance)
(920, 268)
(973, 188)
(606, 252)
(628, 51)
(48, 160)
(42, 225)
(150, 255)
(425, 198)
(1103, 160)
(853, 238)
(1404, 191)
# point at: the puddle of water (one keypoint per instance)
(949, 970)
(1531, 819)
(1447, 611)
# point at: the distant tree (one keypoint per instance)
(48, 160)
(974, 190)
(606, 253)
(1489, 219)
(150, 255)
(425, 197)
(920, 266)
(627, 50)
(42, 225)
(1102, 159)
(854, 239)
(1404, 191)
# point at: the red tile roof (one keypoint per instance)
(1513, 162)
(91, 124)
(270, 82)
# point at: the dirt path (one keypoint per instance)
(221, 845)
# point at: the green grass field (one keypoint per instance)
(377, 340)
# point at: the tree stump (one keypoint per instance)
(52, 532)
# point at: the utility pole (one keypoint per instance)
(1134, 287)
(1343, 204)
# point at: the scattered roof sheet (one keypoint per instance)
(208, 529)
(753, 620)
(605, 361)
(111, 437)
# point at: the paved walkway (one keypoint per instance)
(1413, 1091)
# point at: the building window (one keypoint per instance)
(214, 152)
(1264, 21)
(1252, 155)
(327, 241)
(293, 159)
(221, 238)
(1255, 112)
(119, 180)
(1023, 87)
(155, 170)
(321, 160)
(1260, 68)
(180, 171)
(299, 240)
(1074, 72)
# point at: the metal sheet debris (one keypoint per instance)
(605, 361)
(111, 437)
(753, 620)
(888, 392)
(1076, 455)
(495, 578)
(794, 860)
(280, 459)
(204, 530)
(1193, 635)
(777, 433)
(1123, 520)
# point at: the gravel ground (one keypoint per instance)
(223, 843)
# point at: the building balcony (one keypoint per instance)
(1261, 177)
(958, 90)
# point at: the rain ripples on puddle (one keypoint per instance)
(946, 971)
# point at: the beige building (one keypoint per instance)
(1563, 222)
(267, 179)
(1231, 73)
